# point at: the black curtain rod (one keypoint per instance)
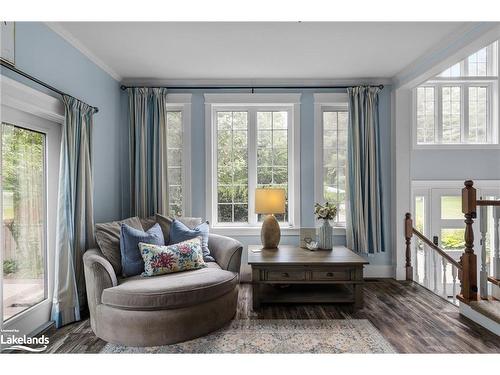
(123, 87)
(46, 85)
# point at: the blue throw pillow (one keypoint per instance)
(132, 262)
(180, 232)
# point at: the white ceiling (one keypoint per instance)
(254, 50)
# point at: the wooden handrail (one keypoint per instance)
(493, 281)
(484, 202)
(437, 248)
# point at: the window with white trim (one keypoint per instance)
(178, 154)
(331, 125)
(251, 145)
(460, 105)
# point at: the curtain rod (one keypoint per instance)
(123, 87)
(46, 85)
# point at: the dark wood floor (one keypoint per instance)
(411, 318)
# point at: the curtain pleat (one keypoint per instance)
(75, 212)
(148, 151)
(364, 212)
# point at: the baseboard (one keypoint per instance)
(480, 319)
(382, 271)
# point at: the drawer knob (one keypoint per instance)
(329, 274)
(285, 274)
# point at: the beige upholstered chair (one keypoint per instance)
(160, 310)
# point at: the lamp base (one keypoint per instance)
(270, 233)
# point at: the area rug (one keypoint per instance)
(279, 336)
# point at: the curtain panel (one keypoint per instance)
(148, 151)
(365, 232)
(75, 212)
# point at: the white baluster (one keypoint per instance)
(483, 274)
(496, 242)
(496, 252)
(426, 266)
(435, 270)
(445, 293)
(415, 263)
(454, 276)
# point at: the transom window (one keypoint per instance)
(252, 146)
(456, 107)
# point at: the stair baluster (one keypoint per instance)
(454, 276)
(435, 271)
(445, 292)
(483, 274)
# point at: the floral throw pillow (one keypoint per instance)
(182, 256)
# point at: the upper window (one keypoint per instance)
(456, 107)
(331, 124)
(251, 147)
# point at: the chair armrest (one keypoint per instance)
(99, 275)
(226, 251)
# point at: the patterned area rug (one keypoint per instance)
(279, 336)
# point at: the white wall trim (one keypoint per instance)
(26, 99)
(256, 82)
(245, 99)
(179, 98)
(374, 270)
(330, 98)
(70, 38)
(478, 318)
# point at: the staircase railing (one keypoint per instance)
(467, 265)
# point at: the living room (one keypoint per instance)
(279, 186)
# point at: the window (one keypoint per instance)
(331, 124)
(30, 138)
(178, 154)
(456, 107)
(252, 144)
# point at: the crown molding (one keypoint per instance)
(453, 48)
(70, 38)
(255, 82)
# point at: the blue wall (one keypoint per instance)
(43, 54)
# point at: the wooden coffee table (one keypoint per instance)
(297, 275)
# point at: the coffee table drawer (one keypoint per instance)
(286, 275)
(331, 275)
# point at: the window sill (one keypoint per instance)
(255, 231)
(458, 146)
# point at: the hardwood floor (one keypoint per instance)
(411, 318)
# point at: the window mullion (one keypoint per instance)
(252, 164)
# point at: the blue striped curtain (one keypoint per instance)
(75, 212)
(364, 215)
(148, 150)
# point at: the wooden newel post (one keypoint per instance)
(469, 259)
(408, 235)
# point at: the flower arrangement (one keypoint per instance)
(326, 212)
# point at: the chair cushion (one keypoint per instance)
(108, 239)
(170, 291)
(132, 263)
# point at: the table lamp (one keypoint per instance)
(270, 201)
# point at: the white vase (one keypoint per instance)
(325, 236)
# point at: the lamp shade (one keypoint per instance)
(269, 201)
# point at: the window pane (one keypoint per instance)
(334, 160)
(478, 63)
(451, 114)
(174, 162)
(23, 219)
(272, 153)
(425, 115)
(232, 167)
(478, 104)
(452, 239)
(454, 71)
(451, 207)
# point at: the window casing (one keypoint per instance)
(178, 153)
(252, 142)
(331, 126)
(460, 105)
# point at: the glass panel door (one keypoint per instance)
(24, 282)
